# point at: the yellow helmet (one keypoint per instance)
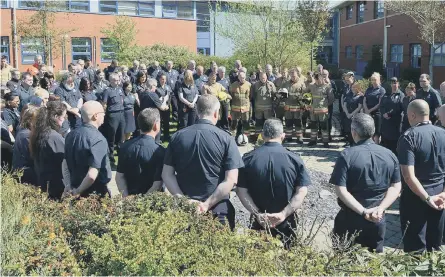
(306, 99)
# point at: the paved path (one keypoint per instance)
(323, 160)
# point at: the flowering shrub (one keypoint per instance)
(160, 235)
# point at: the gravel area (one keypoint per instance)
(320, 201)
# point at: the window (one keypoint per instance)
(396, 53)
(203, 16)
(439, 55)
(349, 12)
(4, 3)
(179, 9)
(416, 54)
(360, 12)
(5, 47)
(204, 51)
(30, 4)
(379, 9)
(142, 7)
(359, 52)
(348, 52)
(30, 47)
(82, 5)
(80, 48)
(107, 50)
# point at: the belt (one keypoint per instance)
(320, 110)
(115, 111)
(292, 108)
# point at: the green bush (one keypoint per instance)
(160, 235)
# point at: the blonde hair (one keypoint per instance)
(188, 78)
(41, 92)
(411, 86)
(376, 76)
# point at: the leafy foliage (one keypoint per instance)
(160, 235)
(375, 64)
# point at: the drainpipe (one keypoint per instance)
(385, 40)
(14, 35)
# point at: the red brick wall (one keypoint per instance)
(150, 31)
(403, 31)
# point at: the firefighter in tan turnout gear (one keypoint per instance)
(240, 93)
(263, 93)
(280, 102)
(322, 97)
(293, 110)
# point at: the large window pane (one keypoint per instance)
(82, 5)
(147, 8)
(127, 8)
(34, 4)
(80, 48)
(30, 47)
(5, 47)
(107, 50)
(108, 6)
(185, 9)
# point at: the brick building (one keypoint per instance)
(365, 24)
(168, 22)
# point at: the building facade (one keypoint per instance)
(364, 25)
(168, 22)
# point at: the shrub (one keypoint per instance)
(160, 235)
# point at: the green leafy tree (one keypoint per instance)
(375, 64)
(122, 34)
(313, 15)
(430, 19)
(264, 31)
(41, 26)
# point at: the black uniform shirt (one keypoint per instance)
(392, 105)
(373, 96)
(200, 155)
(13, 84)
(12, 118)
(172, 77)
(48, 165)
(188, 92)
(129, 101)
(71, 96)
(99, 87)
(163, 91)
(352, 101)
(271, 174)
(21, 157)
(139, 89)
(200, 81)
(423, 146)
(141, 160)
(432, 97)
(150, 100)
(367, 170)
(405, 103)
(225, 83)
(24, 95)
(114, 99)
(89, 96)
(86, 147)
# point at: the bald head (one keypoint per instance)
(418, 111)
(93, 112)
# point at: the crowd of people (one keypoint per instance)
(64, 137)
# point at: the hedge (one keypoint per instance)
(160, 235)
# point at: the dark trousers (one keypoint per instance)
(224, 121)
(225, 213)
(390, 144)
(285, 229)
(425, 227)
(370, 234)
(174, 101)
(330, 113)
(377, 116)
(187, 117)
(165, 122)
(342, 118)
(115, 125)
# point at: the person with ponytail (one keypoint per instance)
(47, 148)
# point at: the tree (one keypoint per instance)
(264, 31)
(42, 28)
(430, 19)
(123, 35)
(313, 15)
(375, 64)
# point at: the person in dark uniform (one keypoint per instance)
(349, 80)
(233, 75)
(199, 78)
(21, 158)
(371, 103)
(141, 159)
(86, 166)
(86, 90)
(89, 70)
(10, 114)
(133, 71)
(352, 104)
(330, 107)
(47, 146)
(164, 91)
(113, 101)
(430, 95)
(269, 72)
(14, 83)
(367, 181)
(172, 78)
(273, 201)
(222, 79)
(212, 69)
(391, 109)
(100, 84)
(130, 101)
(72, 98)
(111, 69)
(25, 90)
(410, 95)
(206, 161)
(421, 152)
(154, 70)
(188, 95)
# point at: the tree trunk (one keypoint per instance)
(312, 55)
(430, 66)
